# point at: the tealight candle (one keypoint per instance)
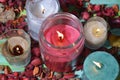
(16, 49)
(95, 32)
(61, 41)
(37, 11)
(100, 65)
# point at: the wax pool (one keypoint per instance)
(60, 59)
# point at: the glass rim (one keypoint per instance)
(28, 3)
(41, 33)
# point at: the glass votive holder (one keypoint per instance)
(95, 31)
(61, 41)
(37, 11)
(17, 47)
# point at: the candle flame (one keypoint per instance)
(42, 9)
(60, 35)
(97, 64)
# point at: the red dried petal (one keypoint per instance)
(97, 8)
(36, 62)
(36, 51)
(85, 15)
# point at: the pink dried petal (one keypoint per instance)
(25, 78)
(69, 75)
(4, 77)
(30, 67)
(29, 73)
(36, 62)
(36, 51)
(16, 74)
(97, 8)
(2, 1)
(85, 15)
(108, 12)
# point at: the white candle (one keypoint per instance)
(95, 32)
(37, 11)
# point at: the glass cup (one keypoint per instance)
(95, 31)
(37, 11)
(16, 48)
(61, 41)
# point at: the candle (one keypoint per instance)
(16, 49)
(37, 11)
(61, 41)
(95, 32)
(101, 65)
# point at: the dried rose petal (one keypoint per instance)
(69, 75)
(29, 73)
(36, 62)
(7, 70)
(2, 1)
(85, 15)
(115, 8)
(36, 51)
(97, 8)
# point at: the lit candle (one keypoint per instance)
(37, 11)
(101, 65)
(16, 49)
(61, 41)
(95, 32)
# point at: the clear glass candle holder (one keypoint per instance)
(37, 11)
(17, 47)
(95, 31)
(61, 41)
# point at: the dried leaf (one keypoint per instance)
(114, 40)
(35, 71)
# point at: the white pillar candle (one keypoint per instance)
(95, 31)
(37, 11)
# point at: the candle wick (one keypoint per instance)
(98, 65)
(60, 35)
(43, 9)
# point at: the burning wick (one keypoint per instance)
(60, 35)
(99, 65)
(43, 9)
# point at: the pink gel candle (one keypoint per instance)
(61, 41)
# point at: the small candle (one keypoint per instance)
(95, 32)
(16, 49)
(17, 45)
(101, 65)
(37, 11)
(61, 41)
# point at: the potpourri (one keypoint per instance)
(12, 16)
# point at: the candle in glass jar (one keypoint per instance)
(95, 32)
(37, 11)
(100, 65)
(61, 41)
(16, 49)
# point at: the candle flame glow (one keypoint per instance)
(60, 35)
(97, 64)
(42, 9)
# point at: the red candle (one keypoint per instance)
(60, 45)
(61, 35)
